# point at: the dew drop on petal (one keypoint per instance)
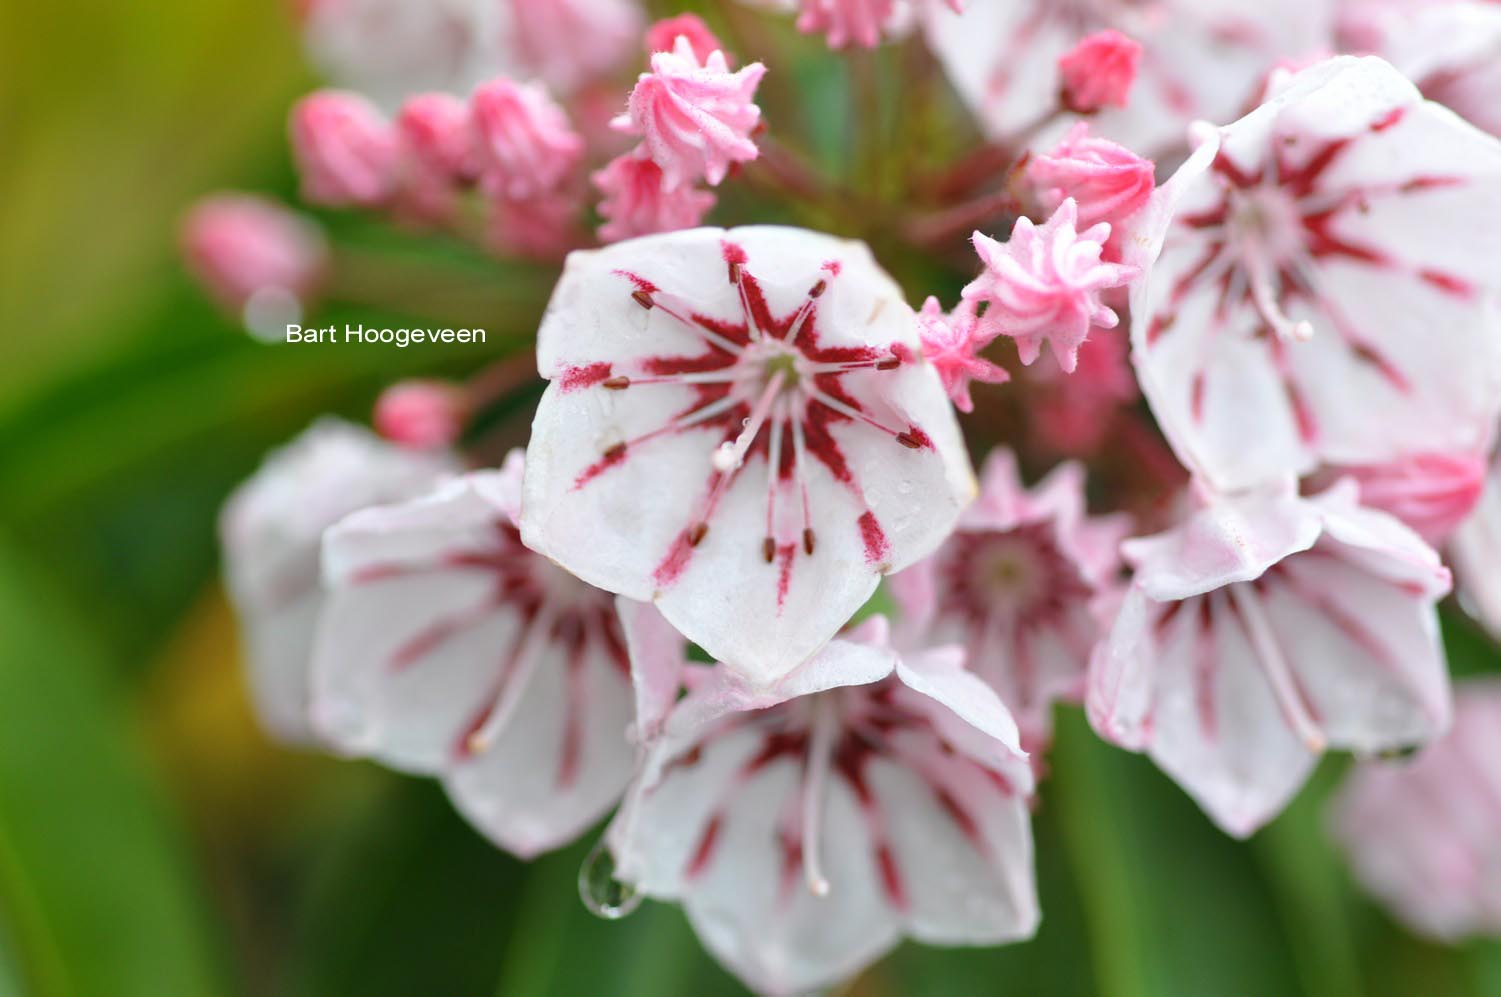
(602, 893)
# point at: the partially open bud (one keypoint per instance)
(345, 150)
(258, 260)
(1098, 72)
(1108, 181)
(421, 415)
(1430, 492)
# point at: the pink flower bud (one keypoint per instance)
(1430, 492)
(1045, 283)
(436, 142)
(636, 203)
(1109, 182)
(695, 116)
(345, 149)
(539, 228)
(526, 146)
(421, 415)
(1098, 72)
(241, 247)
(952, 344)
(663, 36)
(844, 21)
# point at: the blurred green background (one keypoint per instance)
(152, 842)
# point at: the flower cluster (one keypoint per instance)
(747, 435)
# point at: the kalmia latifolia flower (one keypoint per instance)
(1015, 586)
(448, 648)
(808, 827)
(741, 428)
(391, 49)
(1200, 59)
(1424, 835)
(270, 530)
(1073, 413)
(259, 260)
(1098, 72)
(1474, 551)
(1045, 284)
(1328, 264)
(421, 415)
(526, 146)
(1108, 182)
(1264, 629)
(845, 22)
(637, 201)
(952, 343)
(663, 36)
(695, 116)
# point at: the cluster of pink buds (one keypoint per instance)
(748, 443)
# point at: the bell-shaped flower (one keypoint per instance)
(1045, 283)
(1016, 586)
(270, 530)
(1423, 835)
(1200, 59)
(637, 201)
(1264, 629)
(695, 117)
(390, 50)
(260, 261)
(1474, 551)
(952, 343)
(739, 427)
(806, 828)
(1322, 282)
(447, 648)
(1108, 182)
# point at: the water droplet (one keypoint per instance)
(602, 893)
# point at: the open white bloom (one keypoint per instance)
(807, 827)
(389, 50)
(1325, 286)
(270, 530)
(1200, 58)
(1264, 629)
(740, 428)
(448, 648)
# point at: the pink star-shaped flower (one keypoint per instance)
(695, 117)
(740, 427)
(952, 344)
(447, 648)
(1261, 631)
(1045, 284)
(806, 828)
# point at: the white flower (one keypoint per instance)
(739, 427)
(271, 529)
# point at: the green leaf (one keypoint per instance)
(96, 888)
